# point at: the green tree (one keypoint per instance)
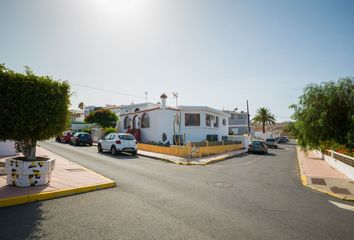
(325, 112)
(263, 116)
(103, 117)
(33, 108)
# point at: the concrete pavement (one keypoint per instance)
(68, 178)
(317, 174)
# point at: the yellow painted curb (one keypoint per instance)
(5, 202)
(304, 183)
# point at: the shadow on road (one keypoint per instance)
(120, 156)
(22, 222)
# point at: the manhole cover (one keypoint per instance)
(318, 181)
(75, 169)
(220, 184)
(340, 190)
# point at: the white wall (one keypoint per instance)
(199, 133)
(246, 140)
(161, 121)
(265, 135)
(340, 166)
(7, 148)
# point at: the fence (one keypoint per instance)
(191, 149)
(340, 157)
(341, 162)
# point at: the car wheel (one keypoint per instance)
(113, 151)
(99, 148)
(134, 152)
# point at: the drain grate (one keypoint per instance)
(318, 181)
(75, 169)
(340, 190)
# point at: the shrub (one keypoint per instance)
(33, 108)
(109, 130)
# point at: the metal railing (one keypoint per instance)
(340, 157)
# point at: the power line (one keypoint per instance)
(110, 91)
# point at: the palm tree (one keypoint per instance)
(81, 105)
(264, 116)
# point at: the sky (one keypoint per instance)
(215, 53)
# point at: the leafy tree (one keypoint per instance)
(325, 112)
(81, 105)
(33, 108)
(103, 117)
(263, 116)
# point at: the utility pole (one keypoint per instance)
(146, 96)
(248, 119)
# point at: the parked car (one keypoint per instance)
(81, 138)
(118, 142)
(272, 142)
(258, 146)
(283, 140)
(66, 137)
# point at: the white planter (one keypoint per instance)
(29, 173)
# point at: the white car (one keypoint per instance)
(118, 142)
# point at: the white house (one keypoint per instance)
(159, 123)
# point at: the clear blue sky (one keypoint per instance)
(212, 52)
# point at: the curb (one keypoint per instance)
(11, 201)
(304, 183)
(191, 163)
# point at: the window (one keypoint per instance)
(208, 120)
(211, 121)
(212, 138)
(127, 122)
(192, 119)
(127, 137)
(224, 121)
(112, 136)
(145, 122)
(216, 123)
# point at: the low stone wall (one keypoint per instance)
(341, 162)
(188, 150)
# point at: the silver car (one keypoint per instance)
(272, 143)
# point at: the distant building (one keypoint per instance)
(151, 122)
(77, 115)
(88, 109)
(238, 123)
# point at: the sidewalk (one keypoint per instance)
(68, 178)
(317, 174)
(192, 161)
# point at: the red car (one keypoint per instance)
(66, 137)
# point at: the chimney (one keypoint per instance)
(163, 101)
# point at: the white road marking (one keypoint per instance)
(343, 206)
(246, 163)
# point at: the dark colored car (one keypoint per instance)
(81, 138)
(258, 147)
(283, 140)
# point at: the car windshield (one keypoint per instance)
(126, 137)
(257, 143)
(270, 140)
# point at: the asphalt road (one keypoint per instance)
(247, 197)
